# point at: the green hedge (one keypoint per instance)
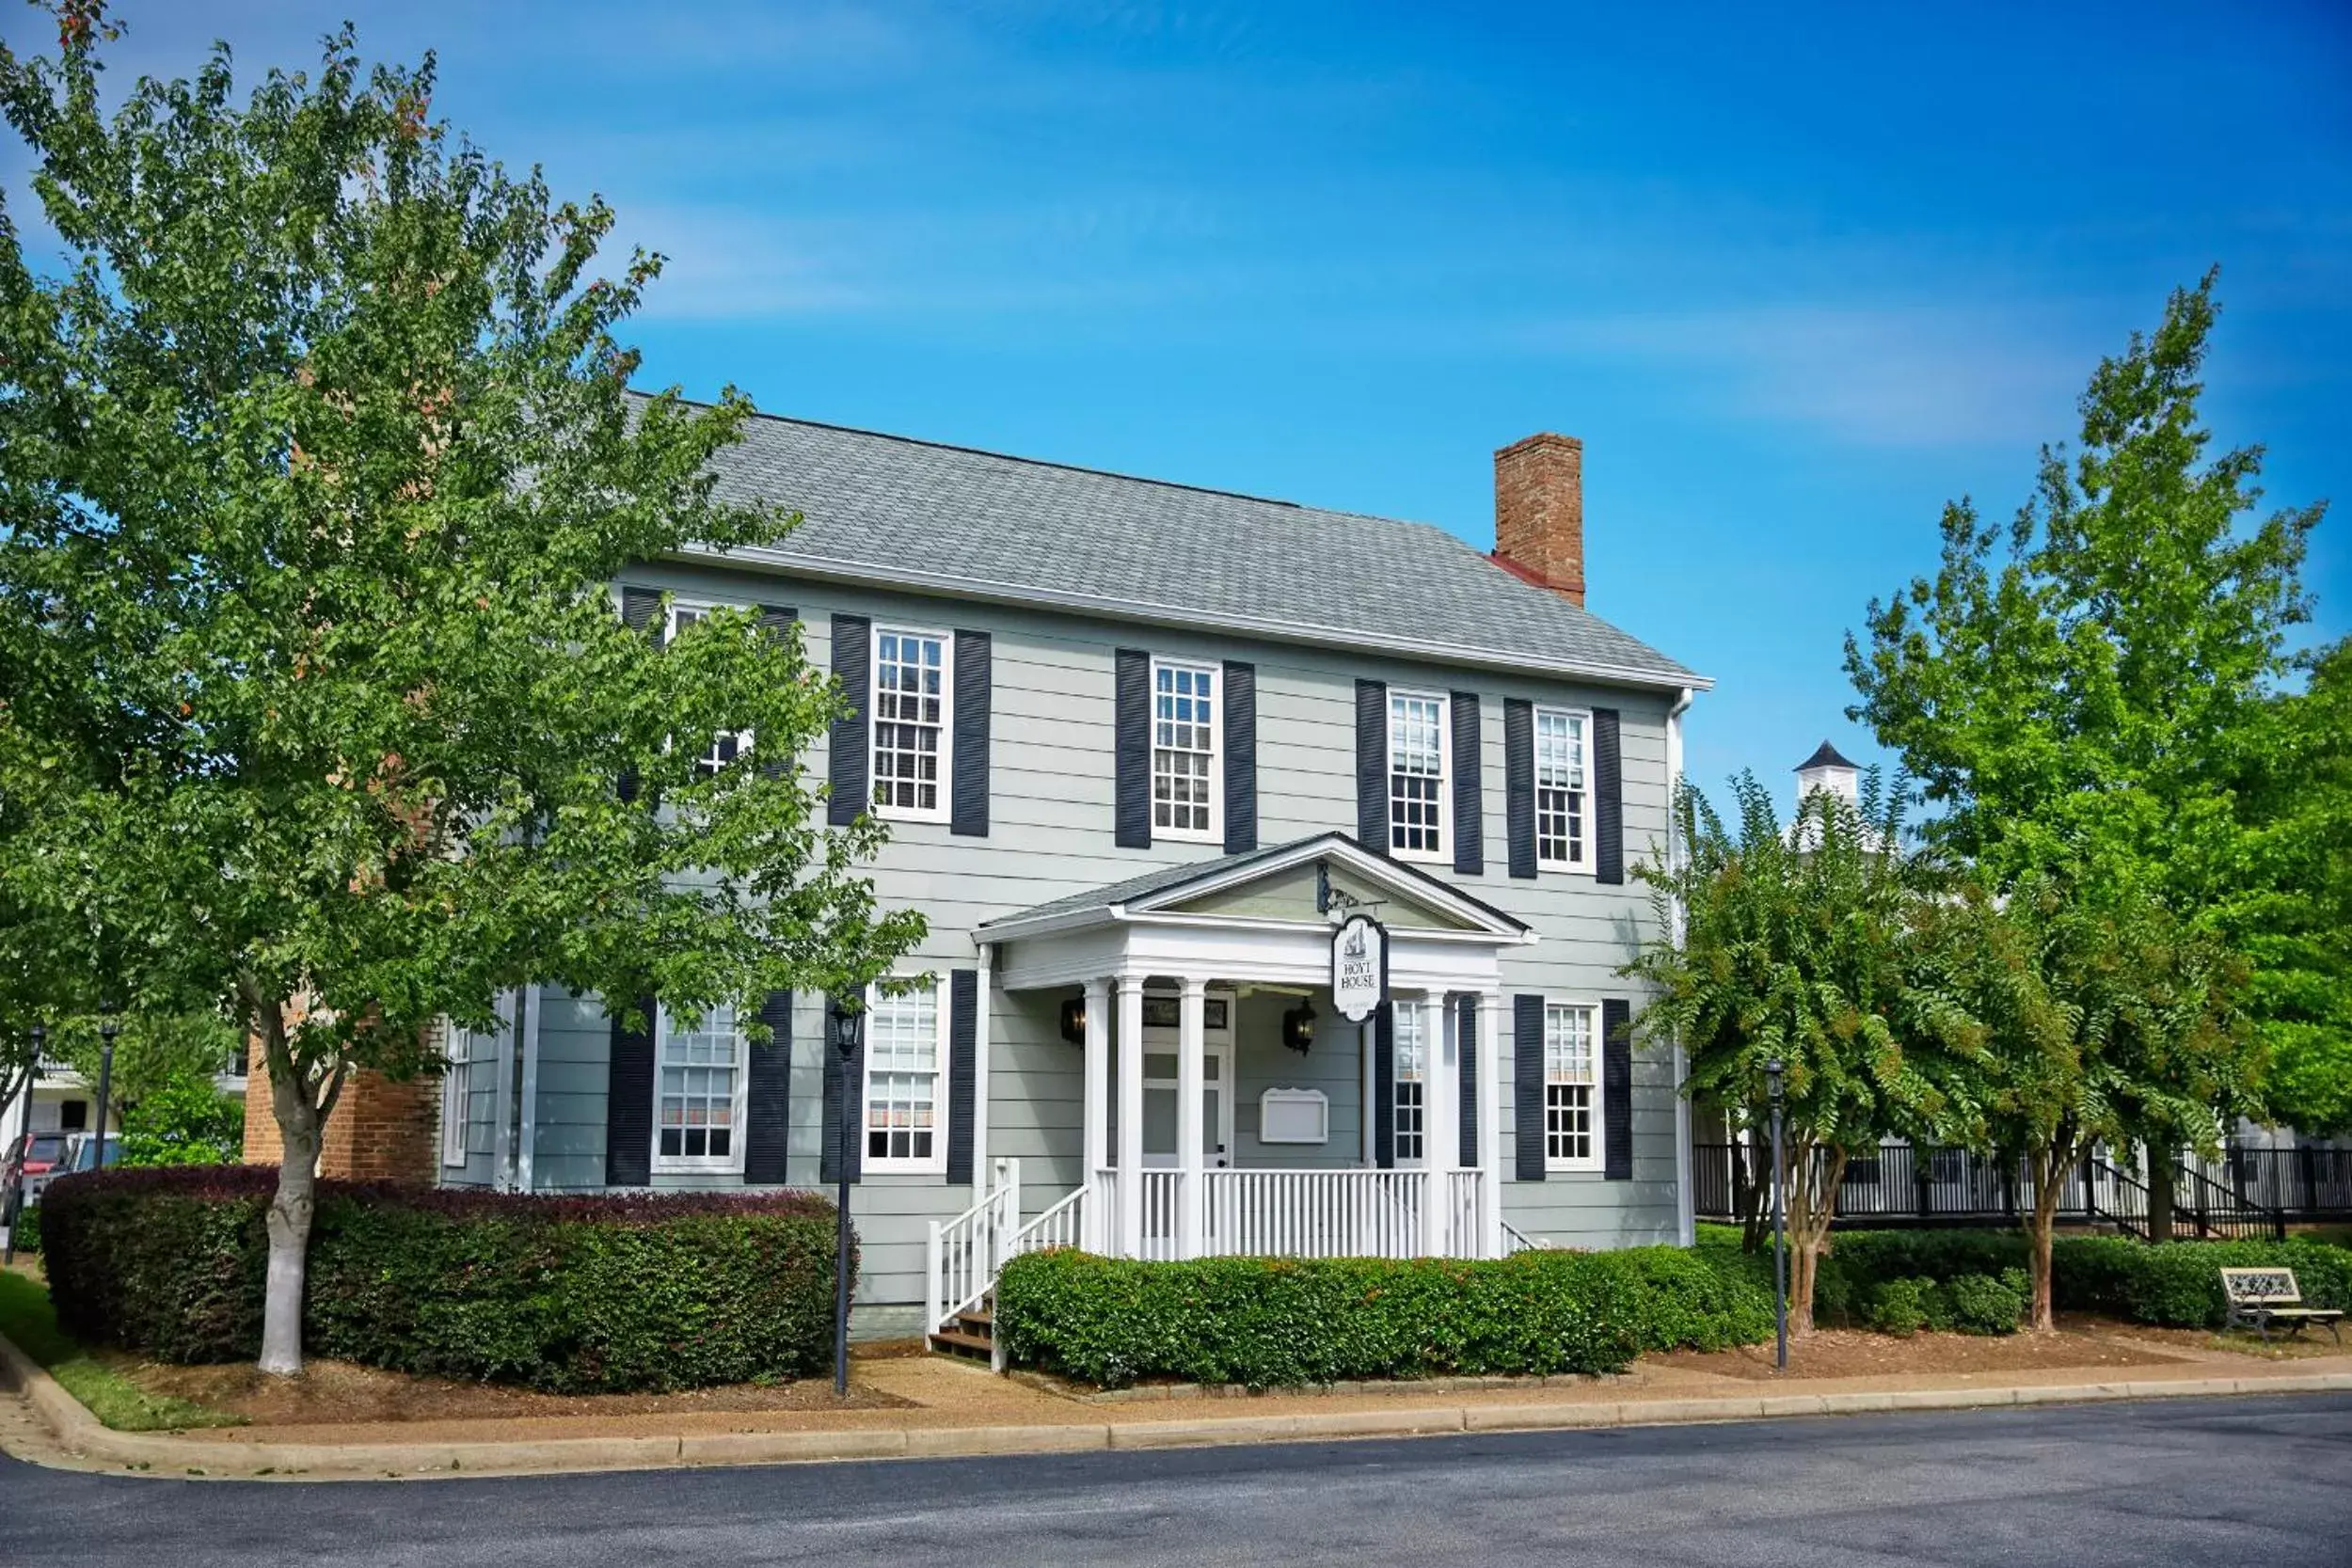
(574, 1295)
(1272, 1321)
(2177, 1284)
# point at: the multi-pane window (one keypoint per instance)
(1559, 788)
(456, 1090)
(909, 721)
(904, 1057)
(699, 1091)
(1417, 772)
(728, 744)
(1183, 750)
(1411, 1035)
(1571, 1129)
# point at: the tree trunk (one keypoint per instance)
(301, 1112)
(2048, 1168)
(1813, 1179)
(2161, 1160)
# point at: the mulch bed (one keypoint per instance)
(340, 1393)
(1857, 1353)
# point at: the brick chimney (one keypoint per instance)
(1540, 512)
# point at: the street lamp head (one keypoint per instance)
(1772, 1079)
(848, 1027)
(109, 1025)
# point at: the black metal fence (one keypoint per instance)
(2251, 1193)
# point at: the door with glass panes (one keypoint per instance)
(1162, 1036)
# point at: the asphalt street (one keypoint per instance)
(2253, 1480)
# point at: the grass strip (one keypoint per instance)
(27, 1321)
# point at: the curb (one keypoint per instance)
(161, 1454)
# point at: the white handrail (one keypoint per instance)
(1515, 1240)
(1063, 1225)
(963, 1253)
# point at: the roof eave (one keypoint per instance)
(827, 569)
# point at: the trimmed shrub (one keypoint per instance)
(1269, 1322)
(1901, 1307)
(25, 1233)
(1980, 1304)
(2178, 1285)
(594, 1295)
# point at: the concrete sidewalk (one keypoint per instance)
(958, 1409)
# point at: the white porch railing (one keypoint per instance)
(1272, 1214)
(964, 1253)
(1313, 1214)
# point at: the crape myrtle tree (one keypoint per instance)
(2096, 1019)
(322, 468)
(2089, 690)
(1801, 943)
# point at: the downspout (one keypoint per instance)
(502, 1128)
(1685, 1214)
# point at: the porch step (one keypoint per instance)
(973, 1334)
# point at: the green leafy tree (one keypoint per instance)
(2290, 911)
(321, 466)
(183, 1120)
(1798, 944)
(2085, 690)
(2074, 689)
(153, 1050)
(2094, 1018)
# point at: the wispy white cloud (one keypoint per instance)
(1876, 375)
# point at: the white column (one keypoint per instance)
(1491, 1114)
(1098, 1111)
(1441, 1126)
(980, 1170)
(528, 1004)
(1129, 1116)
(1190, 1070)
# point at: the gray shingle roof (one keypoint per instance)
(1827, 756)
(950, 519)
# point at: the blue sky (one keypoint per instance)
(1795, 281)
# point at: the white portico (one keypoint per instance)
(1158, 977)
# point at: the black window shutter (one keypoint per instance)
(629, 1102)
(852, 791)
(640, 609)
(963, 1015)
(1241, 757)
(1518, 783)
(1608, 798)
(1466, 1045)
(1527, 1083)
(1133, 749)
(1383, 1026)
(968, 808)
(767, 1097)
(776, 619)
(1371, 765)
(1616, 1089)
(1469, 831)
(845, 1084)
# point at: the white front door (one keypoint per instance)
(1160, 1044)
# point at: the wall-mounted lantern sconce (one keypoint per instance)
(1298, 1026)
(1074, 1019)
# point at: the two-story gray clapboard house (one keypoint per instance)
(1140, 745)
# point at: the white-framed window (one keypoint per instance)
(699, 1078)
(1410, 1034)
(1184, 801)
(726, 745)
(911, 703)
(1562, 835)
(1418, 763)
(1571, 1086)
(456, 1095)
(906, 1082)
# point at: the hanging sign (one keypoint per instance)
(1359, 966)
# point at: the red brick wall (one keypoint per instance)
(379, 1130)
(1539, 512)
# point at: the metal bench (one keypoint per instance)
(2260, 1297)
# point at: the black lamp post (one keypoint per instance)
(848, 1027)
(12, 1201)
(109, 1025)
(1780, 1246)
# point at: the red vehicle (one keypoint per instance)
(32, 1159)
